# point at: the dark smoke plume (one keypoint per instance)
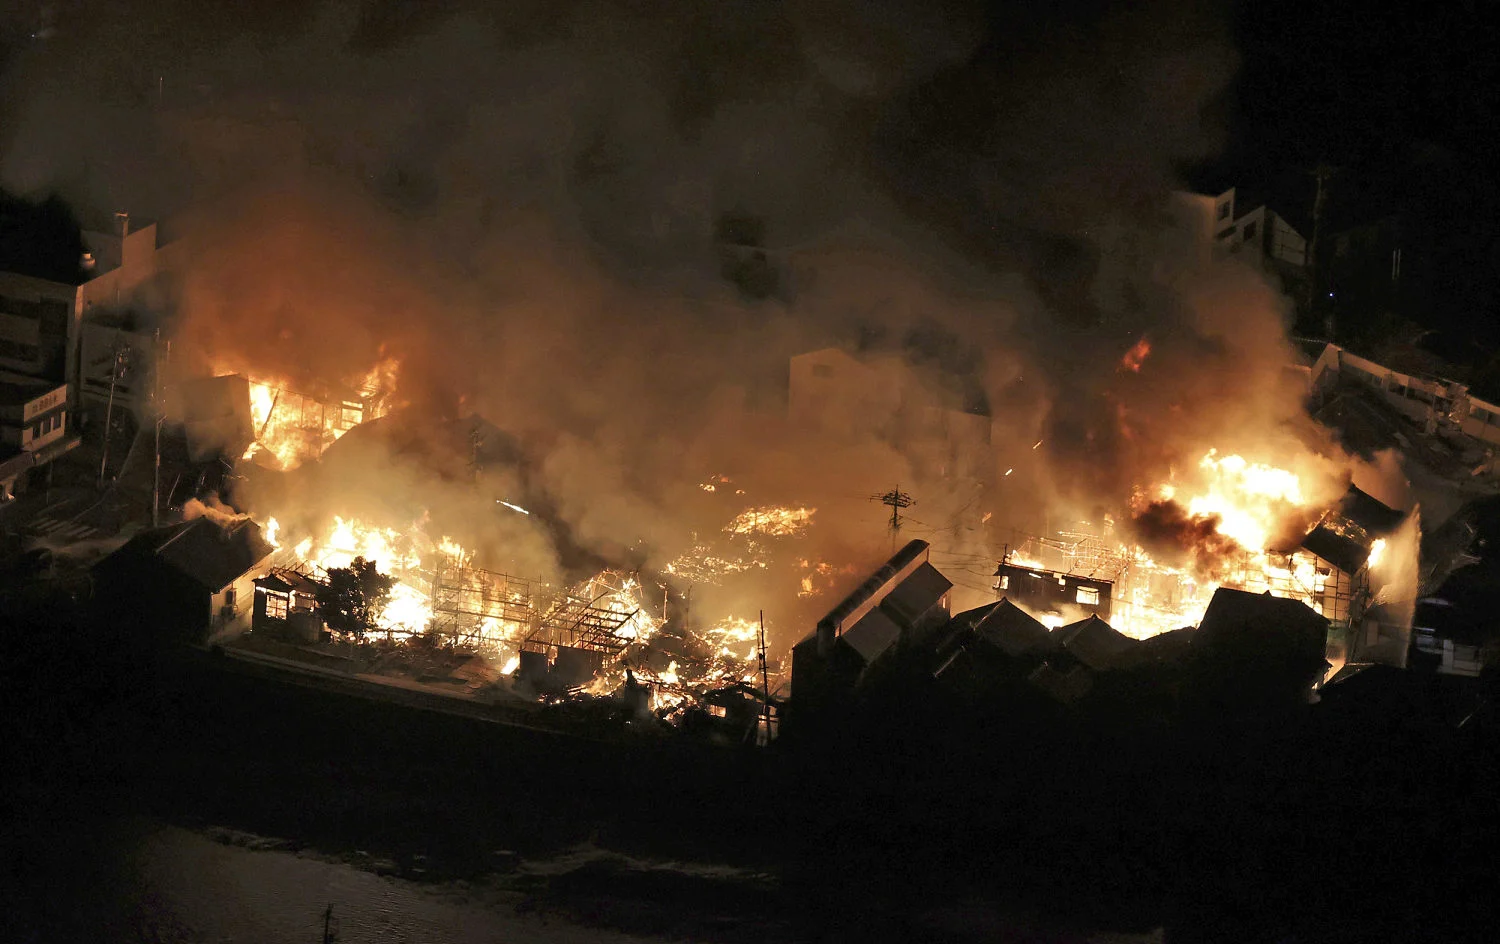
(1166, 531)
(607, 227)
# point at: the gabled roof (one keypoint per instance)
(1238, 616)
(1013, 631)
(1094, 642)
(211, 555)
(1370, 513)
(917, 594)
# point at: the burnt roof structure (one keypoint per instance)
(1345, 534)
(287, 580)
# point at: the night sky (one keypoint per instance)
(1397, 100)
(1401, 101)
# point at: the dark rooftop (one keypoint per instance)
(210, 554)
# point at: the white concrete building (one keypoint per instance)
(1256, 234)
(41, 321)
(33, 427)
(1432, 401)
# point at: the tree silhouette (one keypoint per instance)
(353, 598)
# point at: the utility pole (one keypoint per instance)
(1322, 174)
(116, 373)
(896, 500)
(159, 414)
(765, 678)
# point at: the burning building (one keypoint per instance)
(286, 601)
(1251, 529)
(285, 423)
(1048, 592)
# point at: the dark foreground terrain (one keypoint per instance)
(1370, 816)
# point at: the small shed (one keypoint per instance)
(286, 602)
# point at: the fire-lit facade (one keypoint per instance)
(284, 423)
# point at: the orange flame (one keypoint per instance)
(1136, 356)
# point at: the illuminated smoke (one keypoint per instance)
(521, 212)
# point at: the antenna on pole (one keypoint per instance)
(896, 500)
(1321, 174)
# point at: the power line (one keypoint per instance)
(897, 501)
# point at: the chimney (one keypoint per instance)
(122, 224)
(826, 638)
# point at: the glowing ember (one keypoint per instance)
(270, 530)
(772, 520)
(1136, 356)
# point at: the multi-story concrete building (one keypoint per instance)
(1434, 402)
(42, 321)
(1251, 231)
(33, 428)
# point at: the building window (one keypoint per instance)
(822, 370)
(1249, 230)
(1089, 596)
(229, 596)
(1003, 584)
(276, 606)
(718, 711)
(1224, 210)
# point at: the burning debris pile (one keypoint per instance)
(589, 637)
